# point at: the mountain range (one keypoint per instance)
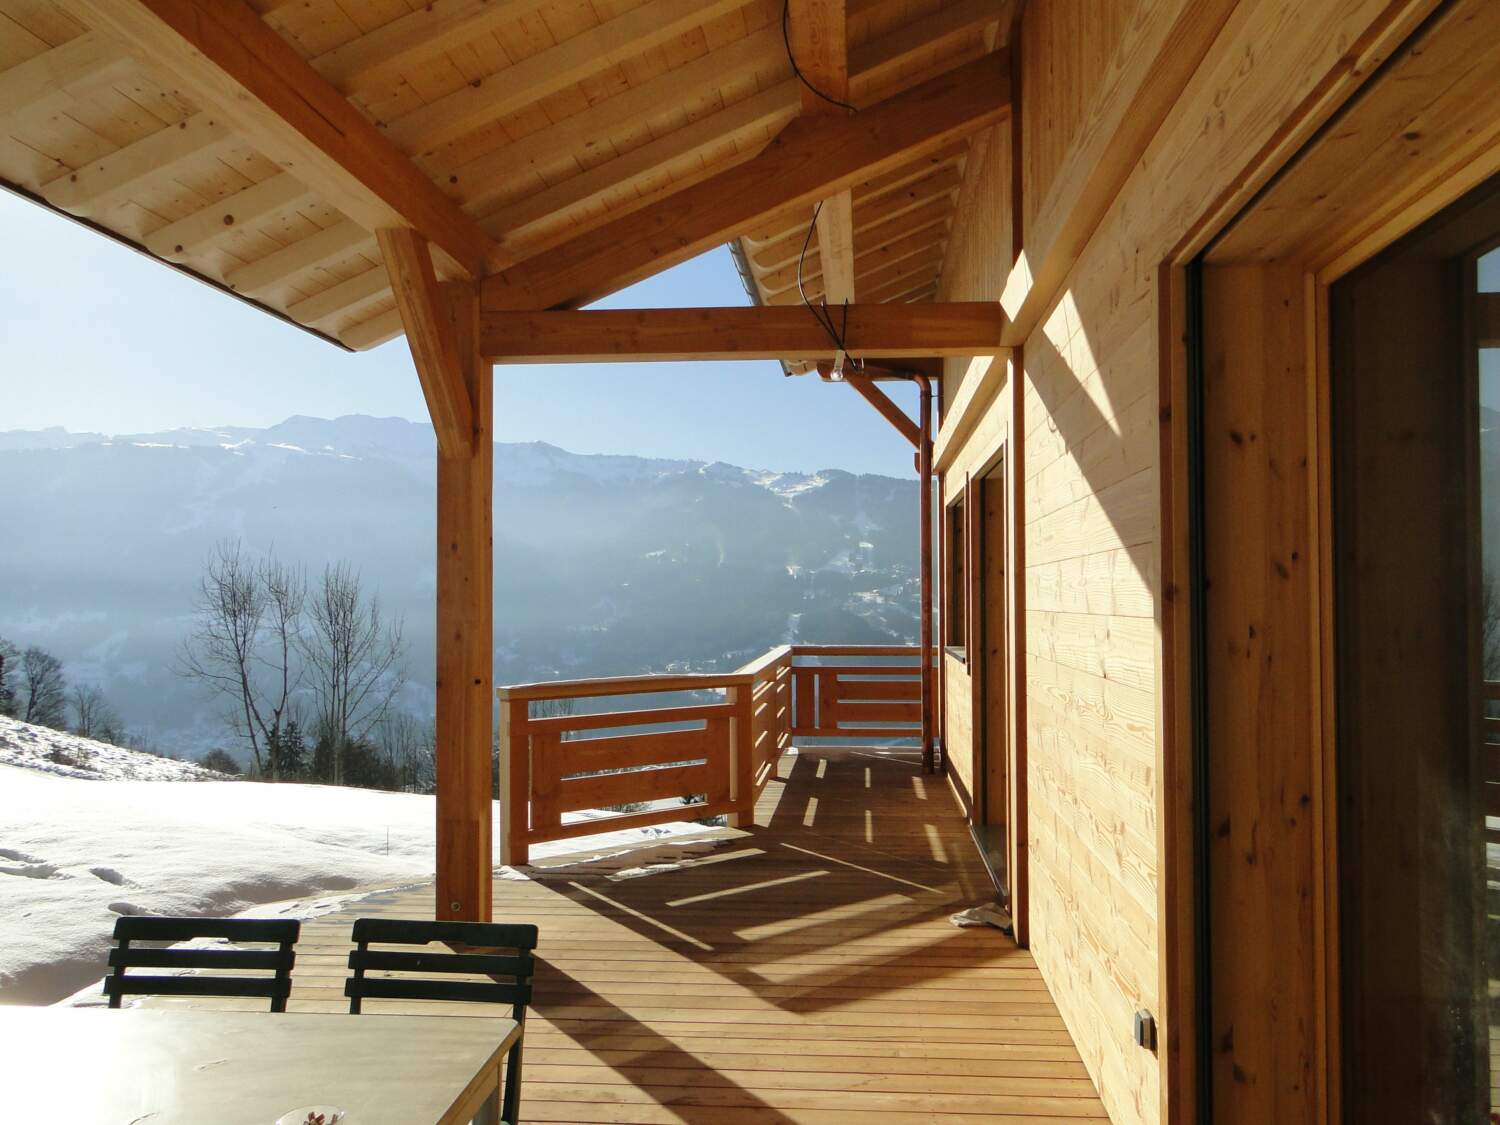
(603, 564)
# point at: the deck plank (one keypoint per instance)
(800, 971)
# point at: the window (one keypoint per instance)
(956, 578)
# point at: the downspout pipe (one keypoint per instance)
(924, 472)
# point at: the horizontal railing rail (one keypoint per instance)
(708, 754)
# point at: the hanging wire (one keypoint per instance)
(786, 37)
(837, 336)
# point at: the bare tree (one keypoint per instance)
(353, 659)
(93, 717)
(43, 689)
(408, 745)
(244, 646)
(10, 657)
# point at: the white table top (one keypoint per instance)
(91, 1066)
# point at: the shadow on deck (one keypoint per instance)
(803, 970)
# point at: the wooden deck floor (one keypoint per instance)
(801, 971)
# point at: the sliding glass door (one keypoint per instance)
(1415, 501)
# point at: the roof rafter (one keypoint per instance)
(819, 37)
(234, 63)
(809, 160)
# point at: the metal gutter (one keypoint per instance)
(204, 279)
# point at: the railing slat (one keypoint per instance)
(631, 751)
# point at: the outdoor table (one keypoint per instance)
(91, 1066)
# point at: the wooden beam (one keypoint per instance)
(836, 247)
(465, 628)
(884, 406)
(433, 348)
(819, 37)
(757, 332)
(811, 159)
(232, 62)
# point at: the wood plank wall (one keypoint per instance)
(1092, 496)
(1067, 48)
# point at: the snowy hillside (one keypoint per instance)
(67, 755)
(79, 848)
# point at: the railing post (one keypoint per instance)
(515, 781)
(741, 754)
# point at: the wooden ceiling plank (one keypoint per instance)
(784, 225)
(47, 82)
(372, 332)
(424, 33)
(753, 332)
(326, 303)
(903, 288)
(810, 159)
(918, 202)
(256, 203)
(232, 61)
(773, 107)
(429, 334)
(874, 279)
(532, 79)
(97, 186)
(342, 238)
(486, 178)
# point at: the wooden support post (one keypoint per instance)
(442, 331)
(465, 653)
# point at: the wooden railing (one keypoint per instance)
(687, 746)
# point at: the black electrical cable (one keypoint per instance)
(837, 336)
(786, 37)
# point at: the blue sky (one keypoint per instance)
(96, 337)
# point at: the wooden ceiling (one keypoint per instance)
(531, 124)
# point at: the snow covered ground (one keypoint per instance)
(67, 755)
(81, 845)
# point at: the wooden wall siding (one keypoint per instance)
(958, 724)
(971, 270)
(1091, 411)
(1068, 48)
